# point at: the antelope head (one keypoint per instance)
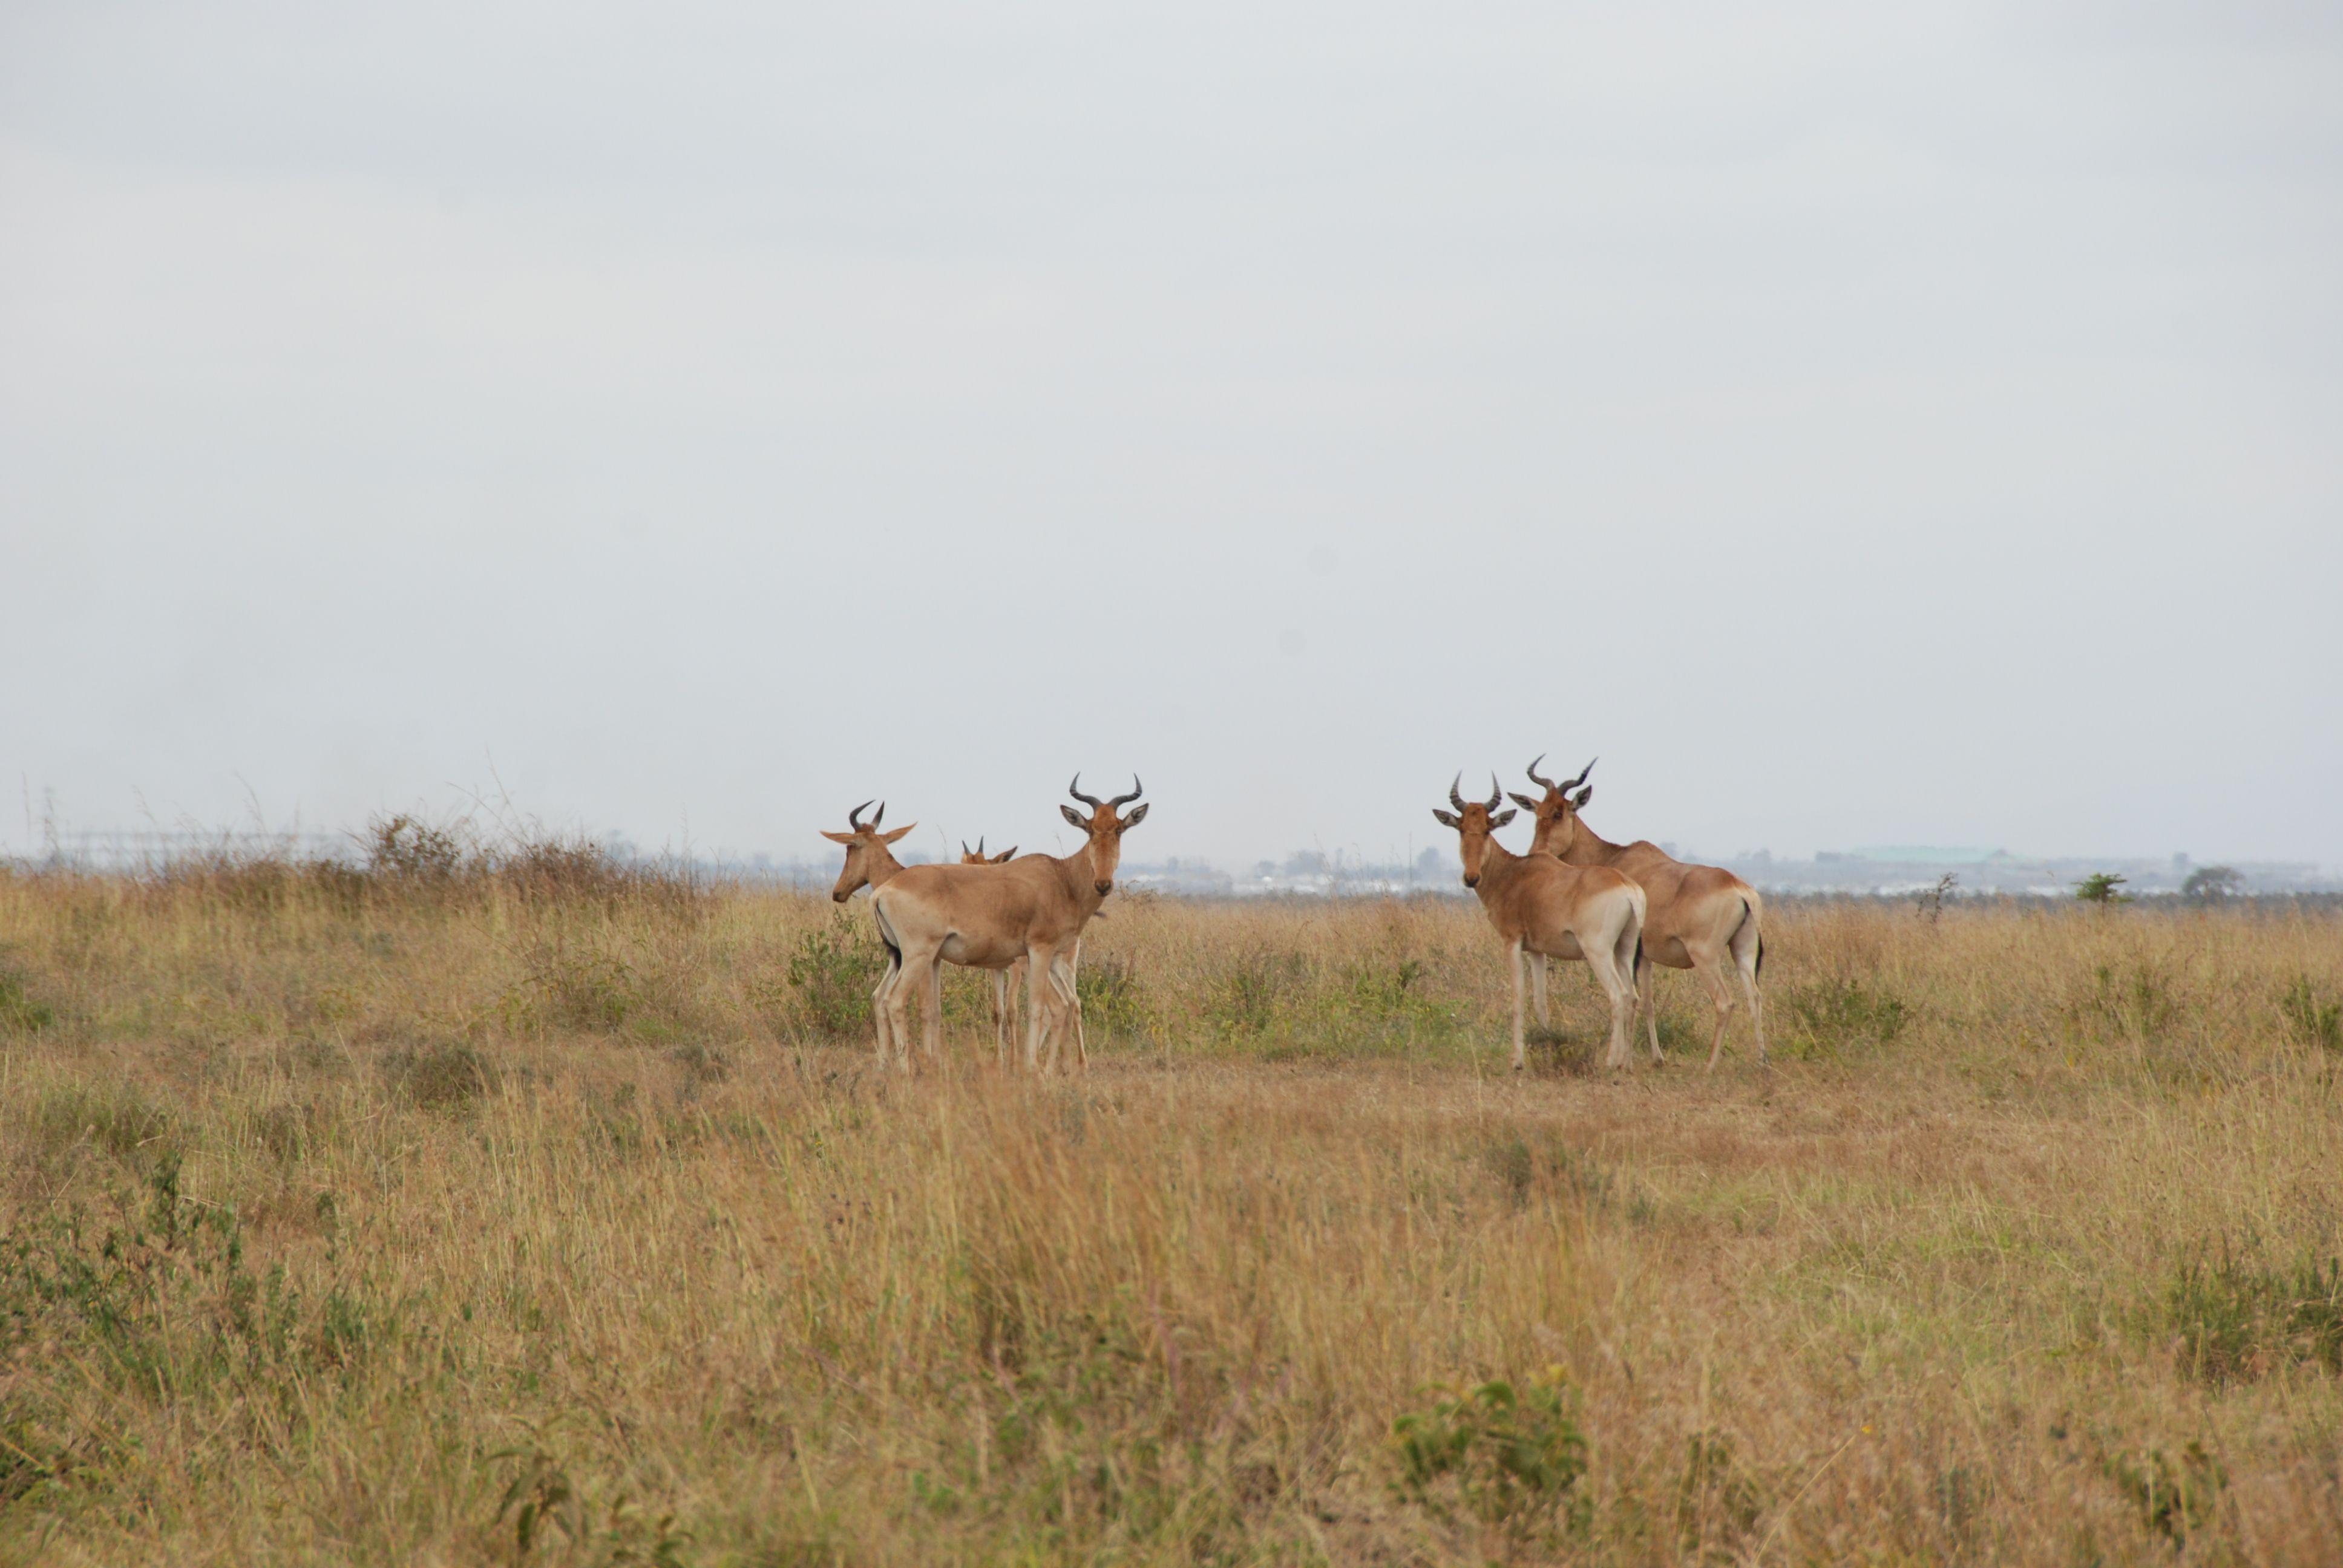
(1105, 829)
(1473, 824)
(977, 857)
(1557, 810)
(866, 848)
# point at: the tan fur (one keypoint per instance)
(1702, 918)
(989, 916)
(1539, 906)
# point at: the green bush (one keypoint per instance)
(21, 1012)
(2318, 1022)
(2174, 1497)
(2233, 1321)
(1113, 1004)
(1508, 1457)
(440, 1077)
(1834, 1014)
(832, 972)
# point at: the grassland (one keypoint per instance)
(550, 1215)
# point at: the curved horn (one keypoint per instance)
(1454, 798)
(979, 844)
(1582, 773)
(1137, 789)
(1537, 778)
(880, 815)
(1075, 789)
(1496, 793)
(854, 817)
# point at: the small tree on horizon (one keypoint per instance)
(2099, 888)
(2212, 884)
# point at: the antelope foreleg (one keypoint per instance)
(1513, 956)
(1537, 990)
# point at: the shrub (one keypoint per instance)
(1835, 1013)
(2099, 888)
(440, 1077)
(2318, 1022)
(21, 1012)
(2233, 1321)
(2174, 1497)
(833, 971)
(1112, 1002)
(404, 848)
(1508, 1457)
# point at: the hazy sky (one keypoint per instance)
(1859, 423)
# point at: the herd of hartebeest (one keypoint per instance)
(1619, 907)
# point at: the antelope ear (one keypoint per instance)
(838, 837)
(1444, 819)
(1134, 819)
(1582, 797)
(1502, 818)
(891, 837)
(1005, 855)
(1076, 817)
(1523, 801)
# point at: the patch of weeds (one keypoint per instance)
(21, 1012)
(1833, 1015)
(2139, 1006)
(115, 1117)
(440, 1077)
(1562, 1053)
(2174, 1497)
(1115, 1006)
(1509, 1456)
(544, 1502)
(590, 989)
(2311, 1016)
(2233, 1321)
(1246, 1000)
(832, 972)
(159, 1309)
(1717, 1500)
(1524, 1169)
(703, 1065)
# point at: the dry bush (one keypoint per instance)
(491, 1214)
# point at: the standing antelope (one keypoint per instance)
(869, 863)
(991, 916)
(1541, 906)
(1700, 915)
(1004, 982)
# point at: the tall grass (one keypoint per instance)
(509, 1209)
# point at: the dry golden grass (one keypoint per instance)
(493, 1220)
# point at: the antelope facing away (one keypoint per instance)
(1541, 906)
(1701, 916)
(990, 916)
(1004, 982)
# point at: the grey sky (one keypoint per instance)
(1859, 424)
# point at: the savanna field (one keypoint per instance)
(551, 1213)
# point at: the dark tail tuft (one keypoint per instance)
(1758, 970)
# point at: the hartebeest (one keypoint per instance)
(1540, 905)
(869, 862)
(991, 916)
(1004, 982)
(1700, 915)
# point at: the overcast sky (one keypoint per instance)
(1860, 424)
